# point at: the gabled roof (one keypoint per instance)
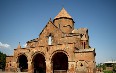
(83, 38)
(52, 24)
(63, 13)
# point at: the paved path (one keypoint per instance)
(99, 72)
(27, 72)
(13, 72)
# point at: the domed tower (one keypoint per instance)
(64, 21)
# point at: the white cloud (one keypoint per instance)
(25, 45)
(4, 45)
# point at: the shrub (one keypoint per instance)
(107, 71)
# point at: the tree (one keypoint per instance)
(104, 67)
(2, 60)
(114, 67)
(101, 66)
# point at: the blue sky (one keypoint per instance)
(23, 20)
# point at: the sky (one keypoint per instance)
(23, 20)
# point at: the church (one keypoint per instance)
(59, 48)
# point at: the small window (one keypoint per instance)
(84, 45)
(81, 65)
(59, 25)
(49, 40)
(10, 64)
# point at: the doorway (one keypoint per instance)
(60, 62)
(23, 63)
(39, 63)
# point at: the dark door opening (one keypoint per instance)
(39, 64)
(60, 62)
(23, 63)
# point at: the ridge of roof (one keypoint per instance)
(46, 26)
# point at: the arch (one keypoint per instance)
(23, 63)
(63, 51)
(59, 62)
(49, 40)
(37, 52)
(38, 63)
(17, 58)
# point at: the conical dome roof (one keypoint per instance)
(63, 13)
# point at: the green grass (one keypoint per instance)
(107, 71)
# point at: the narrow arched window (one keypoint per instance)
(84, 45)
(50, 40)
(59, 25)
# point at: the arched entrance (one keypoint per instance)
(60, 62)
(39, 64)
(23, 63)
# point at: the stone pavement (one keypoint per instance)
(27, 72)
(13, 72)
(99, 72)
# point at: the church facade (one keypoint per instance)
(59, 49)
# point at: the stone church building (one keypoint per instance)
(59, 48)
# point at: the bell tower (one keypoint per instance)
(64, 21)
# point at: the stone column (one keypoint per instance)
(15, 66)
(71, 67)
(30, 69)
(48, 67)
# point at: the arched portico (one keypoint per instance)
(59, 62)
(23, 63)
(38, 63)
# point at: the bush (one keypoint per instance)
(107, 71)
(2, 60)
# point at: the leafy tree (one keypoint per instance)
(2, 60)
(114, 67)
(104, 67)
(101, 66)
